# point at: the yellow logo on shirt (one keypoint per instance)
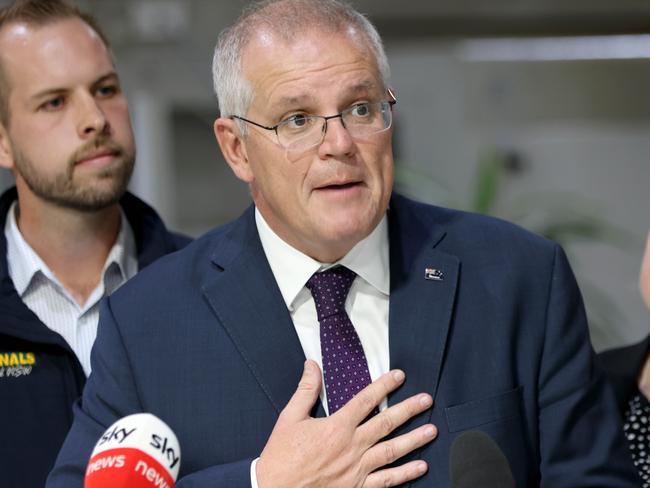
(17, 359)
(16, 364)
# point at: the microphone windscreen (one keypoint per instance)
(138, 451)
(476, 461)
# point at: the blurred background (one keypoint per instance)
(536, 111)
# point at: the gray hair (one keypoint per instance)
(286, 18)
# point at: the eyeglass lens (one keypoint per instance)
(302, 132)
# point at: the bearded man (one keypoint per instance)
(71, 233)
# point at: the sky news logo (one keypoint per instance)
(137, 451)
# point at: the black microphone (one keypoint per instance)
(476, 461)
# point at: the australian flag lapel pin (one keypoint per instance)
(433, 274)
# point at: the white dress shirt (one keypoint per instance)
(366, 304)
(44, 294)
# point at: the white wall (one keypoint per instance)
(583, 130)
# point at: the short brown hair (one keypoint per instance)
(38, 13)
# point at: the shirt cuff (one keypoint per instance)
(253, 474)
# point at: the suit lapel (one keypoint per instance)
(245, 298)
(423, 290)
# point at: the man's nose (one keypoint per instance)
(91, 117)
(337, 140)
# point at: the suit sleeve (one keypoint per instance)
(581, 437)
(110, 394)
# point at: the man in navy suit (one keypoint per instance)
(462, 322)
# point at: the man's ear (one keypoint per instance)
(233, 148)
(6, 154)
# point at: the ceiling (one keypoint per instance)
(410, 18)
(424, 18)
(442, 18)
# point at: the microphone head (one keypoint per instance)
(476, 460)
(138, 451)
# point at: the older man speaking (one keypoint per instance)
(415, 324)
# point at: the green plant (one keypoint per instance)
(565, 218)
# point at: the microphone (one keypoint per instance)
(476, 460)
(137, 451)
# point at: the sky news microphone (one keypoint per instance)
(138, 451)
(476, 460)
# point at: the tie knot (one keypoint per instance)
(330, 289)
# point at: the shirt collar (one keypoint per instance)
(123, 253)
(24, 263)
(291, 268)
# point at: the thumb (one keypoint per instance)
(306, 394)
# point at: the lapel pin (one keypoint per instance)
(433, 274)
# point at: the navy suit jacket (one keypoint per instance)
(204, 340)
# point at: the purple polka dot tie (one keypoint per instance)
(345, 368)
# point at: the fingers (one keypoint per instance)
(383, 424)
(396, 476)
(358, 408)
(390, 451)
(305, 396)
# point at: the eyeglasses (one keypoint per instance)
(302, 131)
